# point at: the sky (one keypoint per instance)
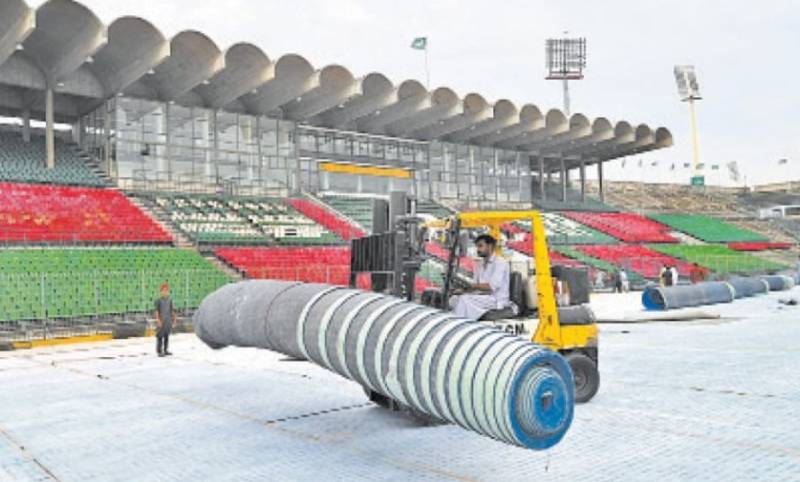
(745, 53)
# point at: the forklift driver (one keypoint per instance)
(490, 289)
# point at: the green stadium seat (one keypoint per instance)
(92, 281)
(706, 228)
(22, 161)
(719, 259)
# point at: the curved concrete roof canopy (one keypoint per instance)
(63, 44)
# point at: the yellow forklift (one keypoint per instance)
(570, 331)
(394, 257)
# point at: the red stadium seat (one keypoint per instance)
(436, 249)
(312, 265)
(627, 227)
(524, 246)
(330, 265)
(326, 218)
(639, 259)
(758, 246)
(60, 214)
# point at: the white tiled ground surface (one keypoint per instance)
(706, 400)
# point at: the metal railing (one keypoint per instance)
(51, 305)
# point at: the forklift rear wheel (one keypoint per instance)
(587, 378)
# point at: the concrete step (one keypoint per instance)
(225, 267)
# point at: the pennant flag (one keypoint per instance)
(420, 43)
(733, 171)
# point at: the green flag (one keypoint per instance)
(420, 43)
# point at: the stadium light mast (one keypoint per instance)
(565, 61)
(689, 92)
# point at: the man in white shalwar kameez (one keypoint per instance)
(490, 289)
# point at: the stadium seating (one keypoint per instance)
(327, 218)
(58, 283)
(563, 230)
(707, 228)
(673, 198)
(329, 264)
(627, 227)
(218, 219)
(432, 272)
(359, 209)
(437, 250)
(426, 206)
(22, 161)
(720, 259)
(524, 246)
(39, 213)
(553, 201)
(636, 258)
(597, 264)
(758, 246)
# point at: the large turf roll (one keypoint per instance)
(779, 282)
(747, 287)
(684, 296)
(457, 370)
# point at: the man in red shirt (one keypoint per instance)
(697, 274)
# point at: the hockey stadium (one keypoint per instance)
(218, 263)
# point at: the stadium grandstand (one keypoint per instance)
(173, 160)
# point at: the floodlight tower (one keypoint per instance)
(566, 59)
(689, 91)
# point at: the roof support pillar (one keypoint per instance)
(168, 140)
(50, 141)
(563, 181)
(549, 181)
(542, 191)
(108, 110)
(26, 125)
(583, 181)
(600, 181)
(214, 161)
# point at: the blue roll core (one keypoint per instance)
(542, 400)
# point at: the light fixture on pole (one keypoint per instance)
(689, 91)
(566, 59)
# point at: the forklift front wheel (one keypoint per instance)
(587, 378)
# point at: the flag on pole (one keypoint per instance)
(420, 43)
(733, 170)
